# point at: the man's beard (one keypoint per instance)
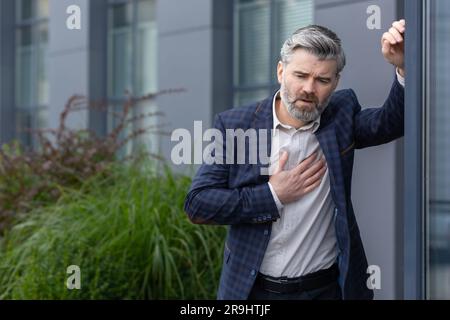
(303, 114)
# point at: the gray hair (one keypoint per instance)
(317, 40)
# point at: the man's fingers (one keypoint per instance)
(314, 178)
(305, 164)
(398, 37)
(386, 47)
(389, 37)
(311, 187)
(400, 25)
(282, 162)
(312, 170)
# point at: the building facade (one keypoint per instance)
(223, 54)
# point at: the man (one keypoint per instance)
(293, 234)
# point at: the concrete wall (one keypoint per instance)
(193, 54)
(377, 176)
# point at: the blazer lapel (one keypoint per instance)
(328, 142)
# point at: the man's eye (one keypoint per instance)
(324, 81)
(300, 76)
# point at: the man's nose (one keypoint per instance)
(308, 86)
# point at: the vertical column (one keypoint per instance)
(222, 56)
(97, 63)
(414, 272)
(7, 70)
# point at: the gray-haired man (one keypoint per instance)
(293, 234)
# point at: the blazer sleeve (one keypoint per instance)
(375, 126)
(211, 201)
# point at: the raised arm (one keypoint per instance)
(375, 126)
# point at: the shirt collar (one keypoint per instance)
(276, 122)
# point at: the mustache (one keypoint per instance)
(310, 98)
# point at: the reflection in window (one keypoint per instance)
(31, 67)
(260, 28)
(438, 274)
(132, 62)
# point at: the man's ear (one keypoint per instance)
(280, 70)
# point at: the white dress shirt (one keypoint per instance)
(303, 238)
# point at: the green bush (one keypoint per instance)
(127, 233)
(64, 157)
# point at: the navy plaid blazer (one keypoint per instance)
(239, 196)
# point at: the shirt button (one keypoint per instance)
(253, 272)
(266, 232)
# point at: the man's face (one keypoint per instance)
(306, 84)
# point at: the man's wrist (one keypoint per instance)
(275, 198)
(400, 76)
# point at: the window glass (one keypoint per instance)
(31, 90)
(438, 242)
(133, 65)
(260, 29)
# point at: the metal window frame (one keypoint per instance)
(33, 23)
(263, 85)
(97, 88)
(134, 29)
(272, 83)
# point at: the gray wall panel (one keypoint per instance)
(176, 16)
(194, 55)
(186, 66)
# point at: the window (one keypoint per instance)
(132, 62)
(260, 29)
(31, 67)
(438, 143)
